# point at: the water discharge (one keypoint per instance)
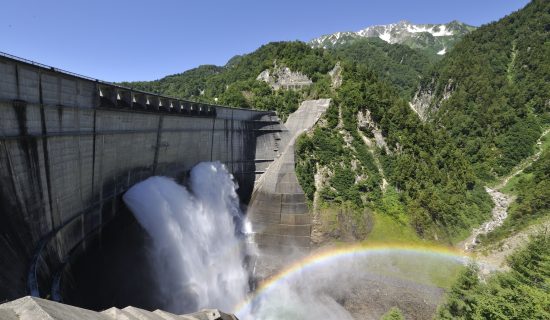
(201, 248)
(198, 238)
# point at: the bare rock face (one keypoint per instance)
(284, 78)
(336, 75)
(366, 123)
(424, 102)
(421, 103)
(449, 88)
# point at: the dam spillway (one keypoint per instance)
(278, 209)
(71, 145)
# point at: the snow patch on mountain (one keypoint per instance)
(401, 32)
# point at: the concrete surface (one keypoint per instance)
(70, 146)
(278, 210)
(32, 308)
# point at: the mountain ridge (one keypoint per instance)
(435, 38)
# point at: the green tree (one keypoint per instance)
(393, 314)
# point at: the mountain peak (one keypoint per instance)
(436, 38)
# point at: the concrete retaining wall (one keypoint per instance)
(70, 146)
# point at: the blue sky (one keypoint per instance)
(117, 40)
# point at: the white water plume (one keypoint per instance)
(198, 238)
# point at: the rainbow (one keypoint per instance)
(335, 254)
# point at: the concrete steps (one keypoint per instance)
(31, 308)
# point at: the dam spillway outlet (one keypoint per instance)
(199, 238)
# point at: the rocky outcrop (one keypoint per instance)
(284, 78)
(366, 123)
(424, 101)
(336, 75)
(421, 103)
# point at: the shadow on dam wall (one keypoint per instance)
(115, 269)
(70, 146)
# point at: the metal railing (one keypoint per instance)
(76, 75)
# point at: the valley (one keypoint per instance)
(401, 171)
(374, 170)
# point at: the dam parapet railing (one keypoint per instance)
(34, 82)
(70, 145)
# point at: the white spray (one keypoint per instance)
(199, 248)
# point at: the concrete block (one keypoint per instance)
(285, 229)
(68, 91)
(294, 208)
(8, 81)
(293, 198)
(8, 315)
(298, 219)
(271, 240)
(142, 314)
(117, 314)
(51, 89)
(30, 308)
(263, 217)
(86, 94)
(29, 85)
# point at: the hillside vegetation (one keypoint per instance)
(521, 293)
(438, 191)
(235, 83)
(493, 89)
(398, 64)
(371, 154)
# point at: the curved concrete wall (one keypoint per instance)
(70, 146)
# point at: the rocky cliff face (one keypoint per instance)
(336, 76)
(421, 102)
(366, 123)
(425, 101)
(284, 78)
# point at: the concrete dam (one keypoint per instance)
(71, 145)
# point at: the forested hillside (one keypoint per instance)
(493, 90)
(398, 64)
(490, 98)
(372, 158)
(437, 191)
(235, 83)
(521, 293)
